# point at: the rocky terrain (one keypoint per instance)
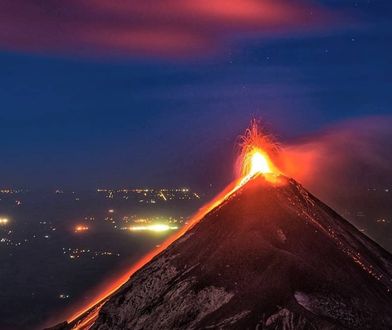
(269, 257)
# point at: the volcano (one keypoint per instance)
(270, 256)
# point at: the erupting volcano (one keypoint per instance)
(264, 254)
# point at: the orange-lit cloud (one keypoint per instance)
(152, 27)
(343, 161)
(349, 167)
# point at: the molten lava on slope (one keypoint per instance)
(253, 159)
(263, 253)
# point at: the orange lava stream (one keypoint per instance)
(92, 313)
(255, 160)
(88, 321)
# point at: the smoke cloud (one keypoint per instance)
(346, 157)
(349, 166)
(152, 27)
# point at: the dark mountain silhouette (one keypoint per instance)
(271, 256)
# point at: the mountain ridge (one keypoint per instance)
(270, 256)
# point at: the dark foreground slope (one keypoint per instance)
(270, 257)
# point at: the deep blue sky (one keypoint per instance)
(132, 120)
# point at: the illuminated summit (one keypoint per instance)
(264, 254)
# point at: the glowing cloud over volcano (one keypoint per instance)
(159, 28)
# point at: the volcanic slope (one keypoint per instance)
(271, 256)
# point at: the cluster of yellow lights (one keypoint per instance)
(153, 227)
(3, 221)
(80, 228)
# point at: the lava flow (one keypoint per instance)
(254, 159)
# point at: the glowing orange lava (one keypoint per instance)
(254, 160)
(256, 150)
(257, 161)
(259, 164)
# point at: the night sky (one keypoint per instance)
(122, 94)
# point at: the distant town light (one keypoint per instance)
(154, 227)
(4, 221)
(81, 228)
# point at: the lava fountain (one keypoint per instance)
(256, 150)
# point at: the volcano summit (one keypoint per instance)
(264, 254)
(270, 256)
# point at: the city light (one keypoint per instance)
(81, 228)
(163, 196)
(4, 221)
(153, 227)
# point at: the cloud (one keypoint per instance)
(346, 157)
(348, 166)
(148, 27)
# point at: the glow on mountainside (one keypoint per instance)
(254, 160)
